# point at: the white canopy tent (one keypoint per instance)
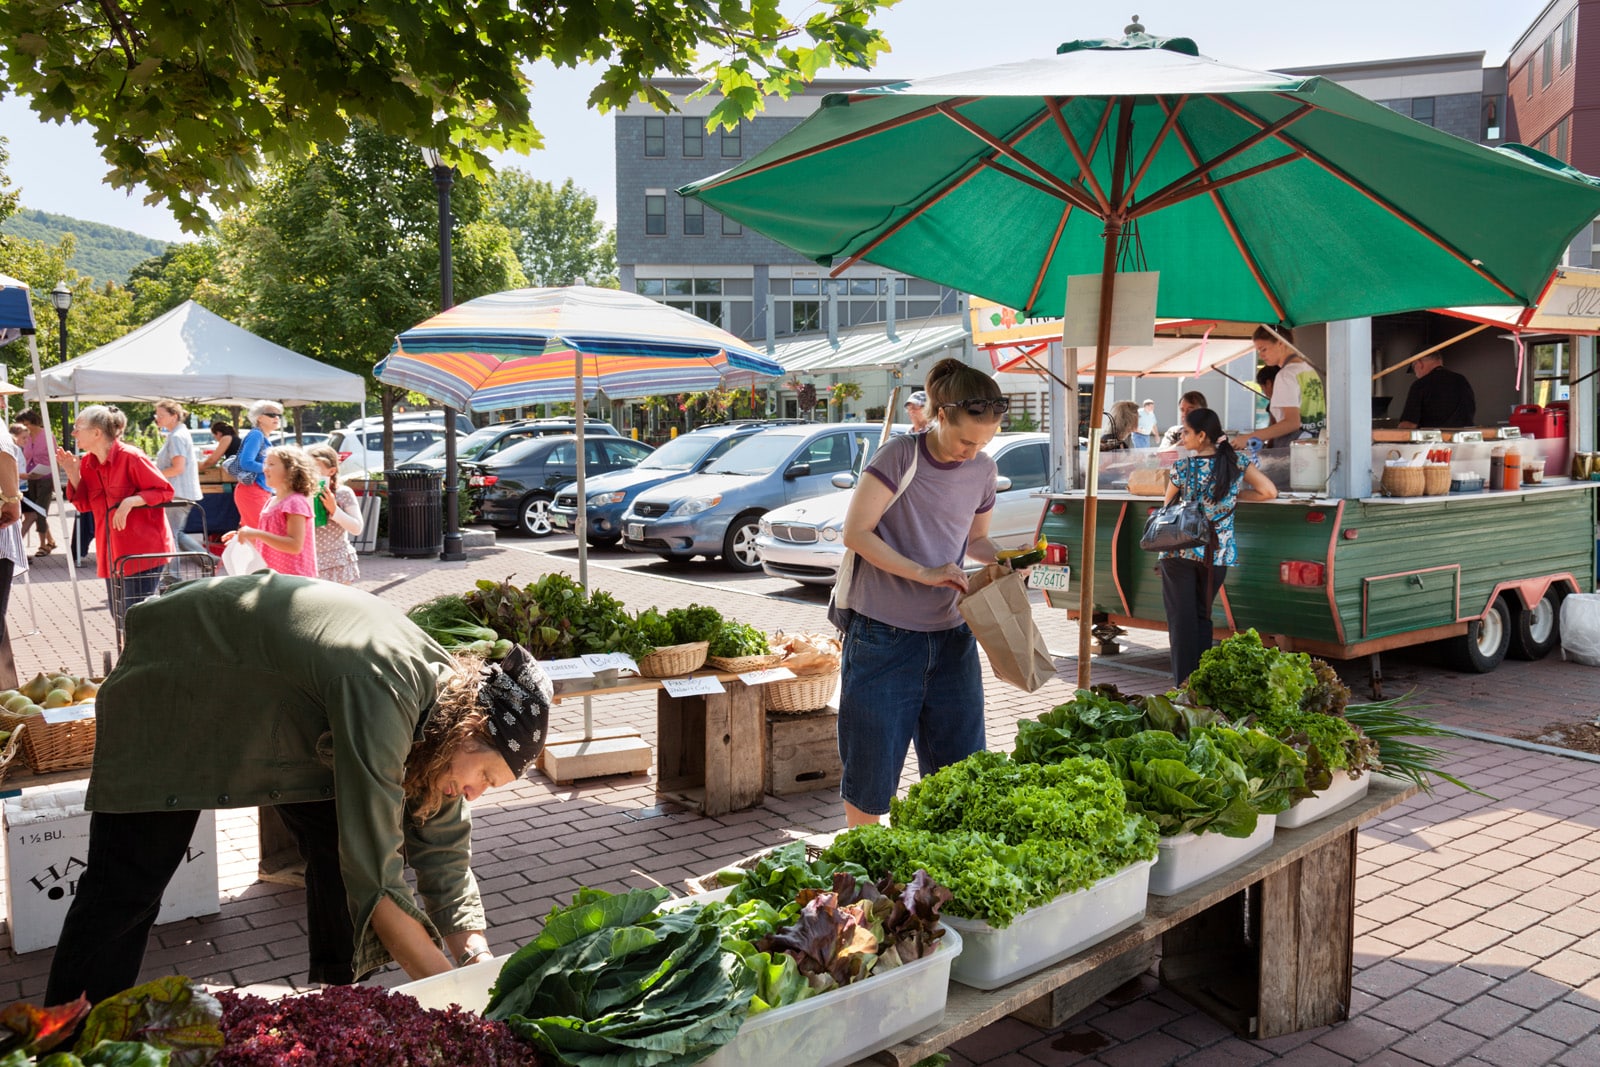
(195, 355)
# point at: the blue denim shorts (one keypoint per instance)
(899, 688)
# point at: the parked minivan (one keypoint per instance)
(717, 513)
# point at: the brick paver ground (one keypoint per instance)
(1478, 936)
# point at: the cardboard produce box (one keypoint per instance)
(47, 848)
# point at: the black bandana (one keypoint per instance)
(515, 695)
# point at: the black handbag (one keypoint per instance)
(1180, 524)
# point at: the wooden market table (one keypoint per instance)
(1265, 947)
(711, 749)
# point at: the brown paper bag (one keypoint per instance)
(996, 608)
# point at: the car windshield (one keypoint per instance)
(758, 454)
(681, 453)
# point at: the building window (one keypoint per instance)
(805, 315)
(708, 287)
(1422, 109)
(732, 143)
(649, 287)
(1568, 31)
(1549, 62)
(655, 214)
(1530, 78)
(1491, 118)
(694, 138)
(1544, 144)
(694, 218)
(731, 228)
(1561, 140)
(655, 137)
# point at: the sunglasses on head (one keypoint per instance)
(980, 406)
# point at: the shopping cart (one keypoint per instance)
(138, 577)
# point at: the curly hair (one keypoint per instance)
(457, 722)
(297, 467)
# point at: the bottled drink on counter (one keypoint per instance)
(1513, 468)
(1497, 468)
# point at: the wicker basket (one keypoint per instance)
(1401, 481)
(65, 746)
(743, 664)
(807, 692)
(1435, 479)
(674, 661)
(11, 753)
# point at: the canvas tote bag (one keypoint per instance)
(997, 611)
(839, 602)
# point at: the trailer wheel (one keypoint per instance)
(1484, 645)
(1538, 629)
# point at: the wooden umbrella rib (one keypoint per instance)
(1393, 209)
(959, 181)
(1238, 239)
(1085, 169)
(1158, 198)
(844, 139)
(1210, 185)
(1010, 151)
(1155, 146)
(1074, 198)
(1049, 256)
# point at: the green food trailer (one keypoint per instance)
(1343, 571)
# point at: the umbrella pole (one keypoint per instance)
(583, 517)
(1114, 220)
(59, 502)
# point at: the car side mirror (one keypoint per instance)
(1001, 483)
(843, 480)
(796, 470)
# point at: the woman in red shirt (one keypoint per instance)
(123, 490)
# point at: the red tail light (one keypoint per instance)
(344, 456)
(1296, 572)
(483, 481)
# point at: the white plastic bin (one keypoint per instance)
(993, 956)
(1188, 859)
(1341, 792)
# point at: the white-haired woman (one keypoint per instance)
(252, 492)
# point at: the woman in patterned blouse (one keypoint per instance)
(1217, 476)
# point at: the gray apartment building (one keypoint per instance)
(687, 255)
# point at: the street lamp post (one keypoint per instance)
(61, 297)
(444, 176)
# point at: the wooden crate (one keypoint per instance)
(802, 752)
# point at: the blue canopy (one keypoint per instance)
(16, 309)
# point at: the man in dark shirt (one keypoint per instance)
(1439, 398)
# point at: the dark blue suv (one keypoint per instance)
(610, 494)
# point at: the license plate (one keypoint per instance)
(560, 521)
(1044, 576)
(636, 531)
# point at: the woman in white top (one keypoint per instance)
(1299, 405)
(178, 465)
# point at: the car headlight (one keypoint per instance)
(695, 505)
(605, 498)
(764, 528)
(832, 533)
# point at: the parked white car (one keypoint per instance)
(804, 542)
(360, 448)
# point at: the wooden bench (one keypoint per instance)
(1266, 947)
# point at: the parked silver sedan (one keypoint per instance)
(804, 541)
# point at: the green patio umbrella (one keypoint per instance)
(1256, 196)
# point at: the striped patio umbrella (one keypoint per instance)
(534, 346)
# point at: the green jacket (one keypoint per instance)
(267, 689)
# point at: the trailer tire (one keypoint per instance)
(1537, 630)
(1484, 645)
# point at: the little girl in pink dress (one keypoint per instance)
(284, 537)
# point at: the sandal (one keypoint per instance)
(44, 550)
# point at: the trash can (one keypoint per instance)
(416, 512)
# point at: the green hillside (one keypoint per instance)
(104, 253)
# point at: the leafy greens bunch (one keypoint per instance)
(1331, 743)
(736, 639)
(1082, 725)
(1241, 677)
(694, 623)
(1005, 836)
(451, 622)
(612, 982)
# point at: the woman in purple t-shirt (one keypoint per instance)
(911, 671)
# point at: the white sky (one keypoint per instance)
(58, 168)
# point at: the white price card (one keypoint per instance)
(610, 661)
(70, 713)
(692, 687)
(772, 674)
(562, 669)
(1045, 576)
